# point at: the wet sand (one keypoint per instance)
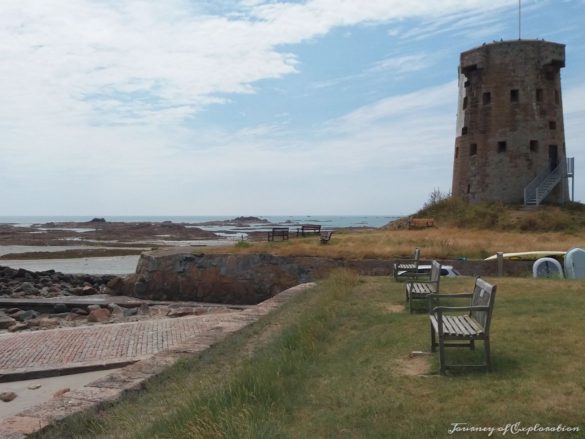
(27, 398)
(107, 265)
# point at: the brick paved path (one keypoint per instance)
(157, 344)
(99, 344)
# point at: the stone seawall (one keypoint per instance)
(252, 278)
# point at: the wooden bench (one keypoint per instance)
(420, 223)
(306, 229)
(326, 237)
(276, 232)
(464, 329)
(421, 289)
(406, 269)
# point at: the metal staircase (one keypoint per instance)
(543, 184)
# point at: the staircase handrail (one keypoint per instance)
(534, 185)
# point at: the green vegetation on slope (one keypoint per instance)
(455, 212)
(334, 363)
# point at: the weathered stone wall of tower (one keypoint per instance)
(510, 120)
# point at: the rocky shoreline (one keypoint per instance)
(98, 233)
(28, 286)
(21, 283)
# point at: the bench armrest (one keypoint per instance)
(441, 309)
(411, 274)
(451, 296)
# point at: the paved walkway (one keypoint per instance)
(57, 350)
(151, 346)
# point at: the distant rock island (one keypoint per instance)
(98, 232)
(241, 221)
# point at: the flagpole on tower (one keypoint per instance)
(519, 19)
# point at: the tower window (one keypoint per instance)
(465, 102)
(468, 188)
(464, 131)
(514, 95)
(473, 149)
(502, 146)
(486, 98)
(552, 125)
(539, 95)
(550, 73)
(456, 152)
(534, 145)
(557, 97)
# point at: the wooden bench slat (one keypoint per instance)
(474, 324)
(451, 326)
(455, 329)
(447, 326)
(468, 327)
(405, 266)
(460, 328)
(465, 330)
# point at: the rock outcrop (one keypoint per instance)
(229, 278)
(251, 278)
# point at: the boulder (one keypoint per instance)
(47, 323)
(181, 311)
(6, 321)
(99, 315)
(130, 312)
(143, 309)
(60, 308)
(116, 310)
(85, 290)
(23, 316)
(7, 396)
(115, 283)
(18, 327)
(59, 393)
(28, 288)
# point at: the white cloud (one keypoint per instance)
(132, 59)
(397, 107)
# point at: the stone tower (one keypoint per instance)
(510, 143)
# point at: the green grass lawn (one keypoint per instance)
(334, 363)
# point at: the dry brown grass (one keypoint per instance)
(439, 242)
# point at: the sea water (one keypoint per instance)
(127, 264)
(332, 221)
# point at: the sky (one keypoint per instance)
(249, 107)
